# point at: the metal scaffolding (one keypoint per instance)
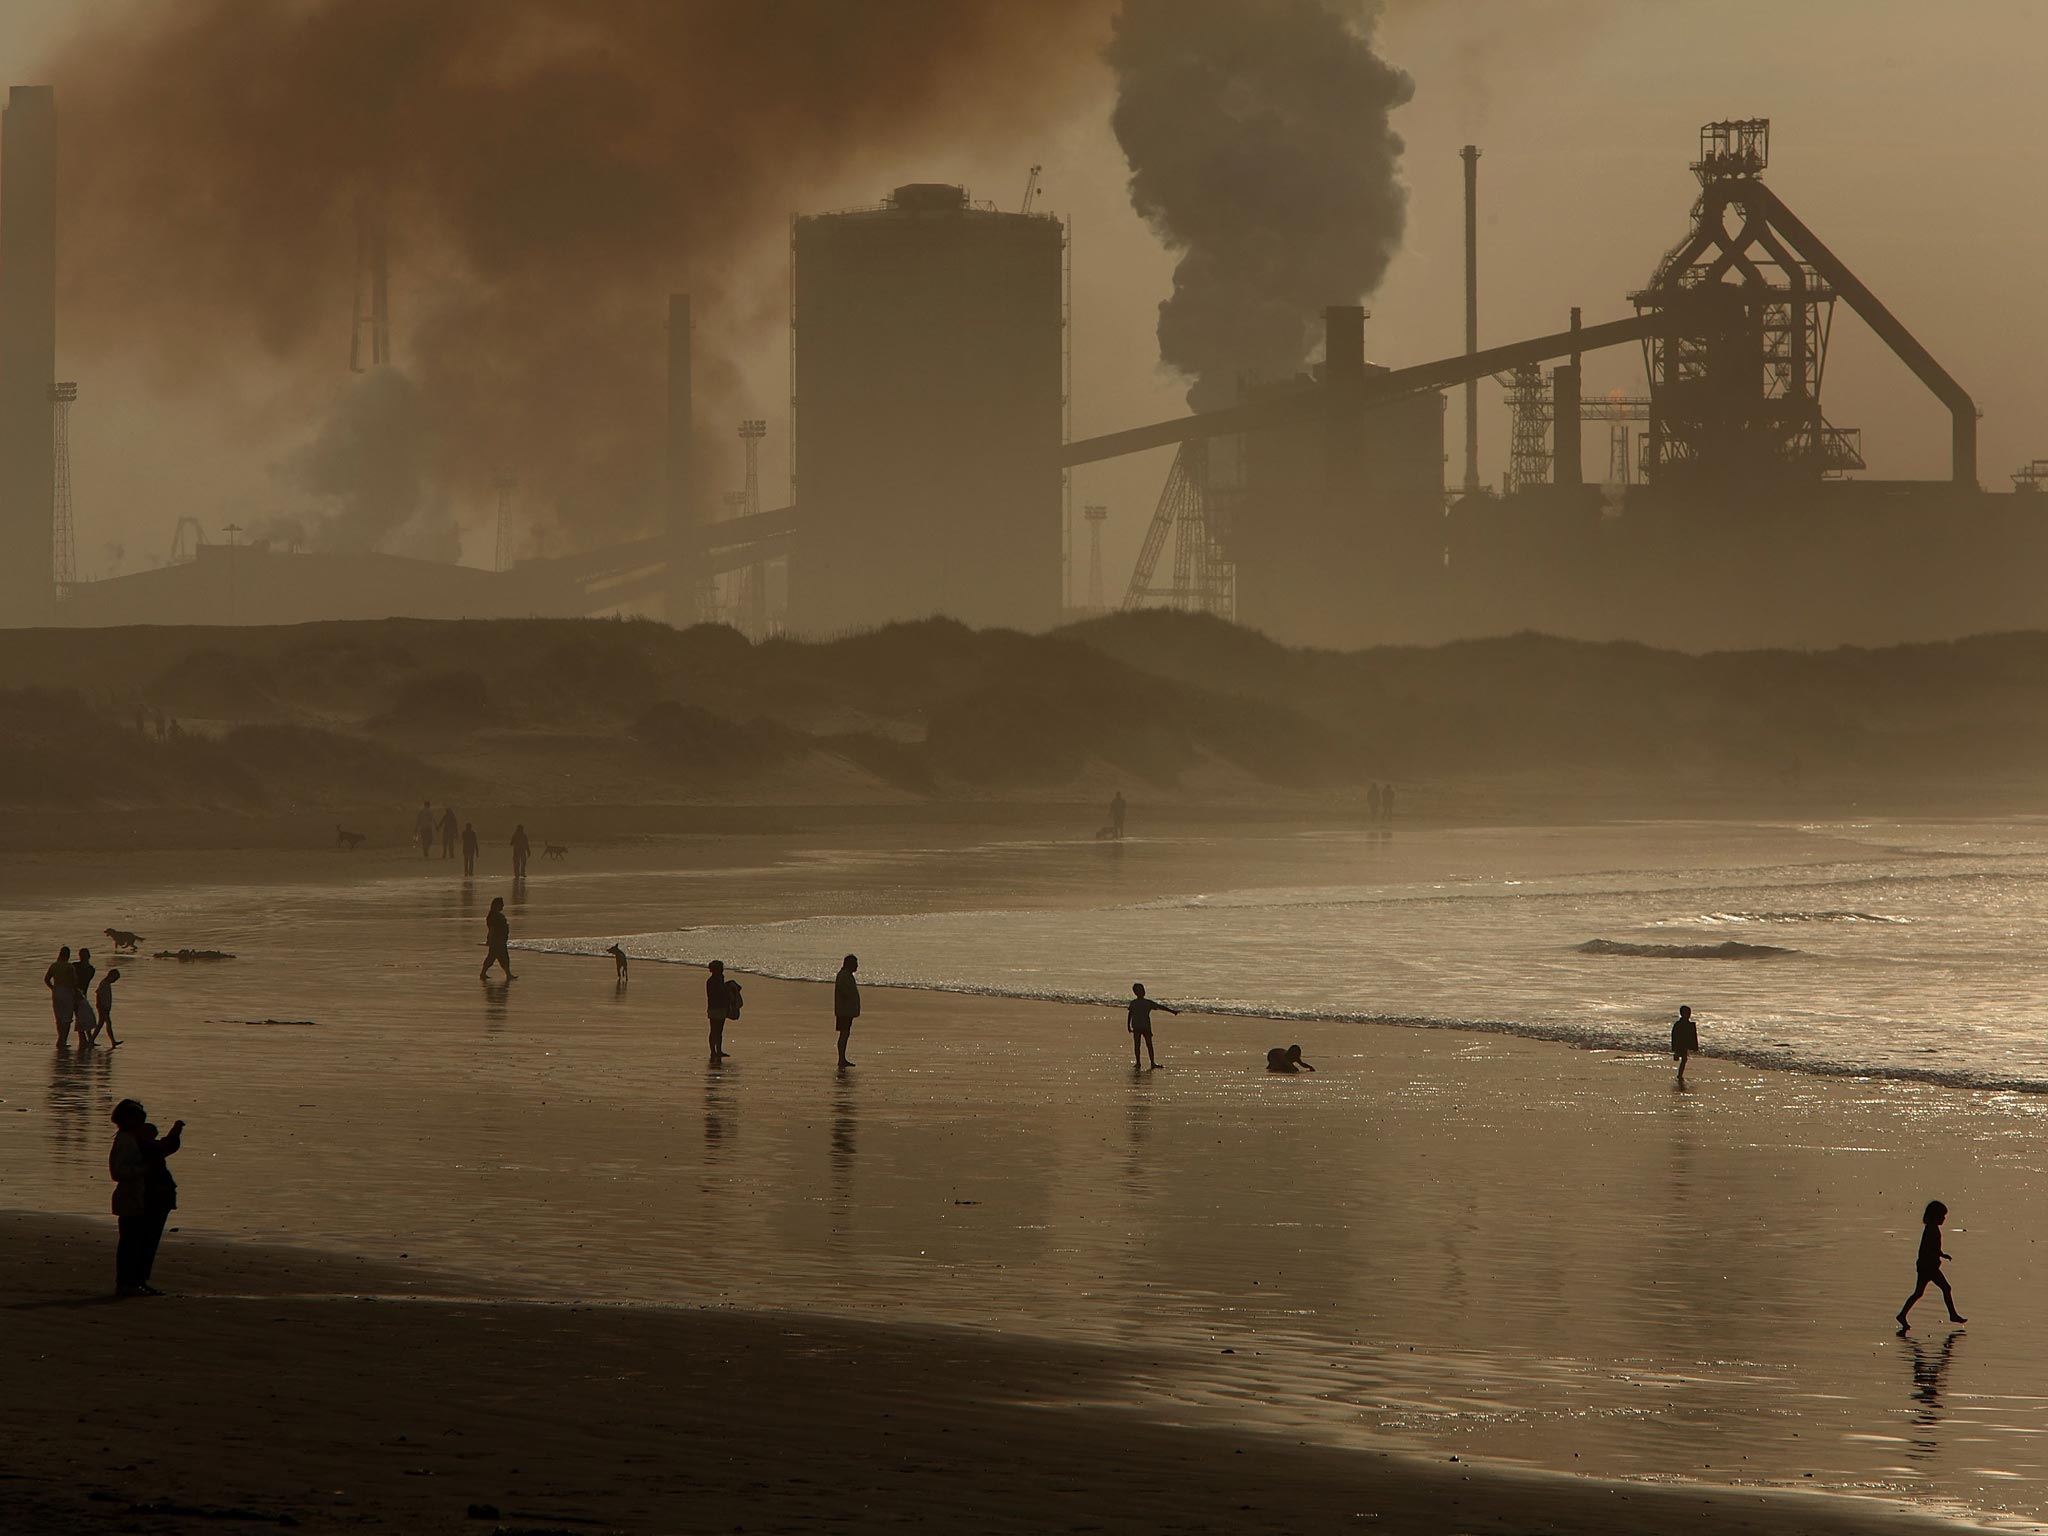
(1204, 580)
(1532, 408)
(64, 539)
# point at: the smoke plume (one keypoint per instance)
(1259, 148)
(552, 169)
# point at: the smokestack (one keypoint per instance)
(1471, 157)
(28, 353)
(679, 520)
(1566, 467)
(1344, 467)
(1344, 342)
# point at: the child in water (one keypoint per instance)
(1927, 1266)
(1685, 1039)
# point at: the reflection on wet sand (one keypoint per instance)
(77, 1099)
(1930, 1380)
(497, 995)
(719, 1124)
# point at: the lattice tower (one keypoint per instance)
(506, 484)
(1097, 515)
(64, 540)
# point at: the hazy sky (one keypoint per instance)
(1912, 137)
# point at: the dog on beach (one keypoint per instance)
(349, 840)
(619, 955)
(555, 851)
(122, 938)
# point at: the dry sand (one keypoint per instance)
(261, 1396)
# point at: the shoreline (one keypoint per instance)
(264, 1392)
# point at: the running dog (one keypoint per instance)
(349, 840)
(122, 938)
(555, 851)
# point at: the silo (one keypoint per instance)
(929, 408)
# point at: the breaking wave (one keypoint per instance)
(1727, 949)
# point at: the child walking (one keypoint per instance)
(1685, 1039)
(1927, 1267)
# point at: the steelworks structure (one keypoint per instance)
(930, 408)
(28, 354)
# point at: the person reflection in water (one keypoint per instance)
(1927, 1265)
(1286, 1058)
(497, 941)
(1930, 1377)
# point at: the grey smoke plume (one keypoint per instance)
(1258, 139)
(365, 476)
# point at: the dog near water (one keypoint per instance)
(122, 938)
(555, 851)
(344, 838)
(619, 956)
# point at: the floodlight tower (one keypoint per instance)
(506, 484)
(372, 323)
(63, 540)
(1097, 515)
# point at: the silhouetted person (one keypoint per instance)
(1286, 1058)
(1372, 801)
(1927, 1265)
(522, 850)
(469, 849)
(845, 1002)
(141, 722)
(1138, 1020)
(175, 730)
(1685, 1039)
(159, 1198)
(448, 829)
(63, 985)
(1117, 808)
(129, 1165)
(715, 1009)
(104, 997)
(423, 827)
(497, 941)
(1387, 802)
(82, 973)
(159, 725)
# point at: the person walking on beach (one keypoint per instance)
(1372, 801)
(1138, 1020)
(715, 1008)
(82, 973)
(63, 985)
(497, 941)
(469, 849)
(1927, 1264)
(447, 825)
(1685, 1039)
(423, 827)
(845, 1002)
(104, 997)
(522, 850)
(1117, 808)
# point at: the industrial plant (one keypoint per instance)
(931, 460)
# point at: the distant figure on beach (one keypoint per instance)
(104, 997)
(1372, 801)
(497, 941)
(1117, 808)
(619, 958)
(1138, 1020)
(82, 1017)
(1286, 1058)
(469, 848)
(715, 1008)
(448, 829)
(63, 985)
(1927, 1265)
(522, 850)
(845, 1002)
(423, 827)
(1387, 802)
(144, 1194)
(1685, 1039)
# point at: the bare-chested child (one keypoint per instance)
(1927, 1265)
(1138, 1021)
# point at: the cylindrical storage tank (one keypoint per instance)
(928, 414)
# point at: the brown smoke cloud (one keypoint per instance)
(1258, 139)
(553, 169)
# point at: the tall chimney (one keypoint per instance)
(1344, 469)
(1567, 441)
(1470, 153)
(685, 557)
(28, 353)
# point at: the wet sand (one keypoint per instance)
(1536, 1259)
(260, 1396)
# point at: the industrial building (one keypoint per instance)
(929, 385)
(28, 354)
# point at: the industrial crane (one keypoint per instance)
(1030, 188)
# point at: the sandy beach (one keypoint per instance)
(991, 1277)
